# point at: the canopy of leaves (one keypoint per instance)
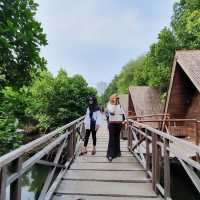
(57, 101)
(21, 38)
(186, 23)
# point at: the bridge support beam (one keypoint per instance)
(3, 177)
(15, 187)
(167, 193)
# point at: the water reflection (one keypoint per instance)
(32, 182)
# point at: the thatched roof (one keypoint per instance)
(189, 61)
(146, 100)
(123, 99)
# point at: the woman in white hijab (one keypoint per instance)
(116, 118)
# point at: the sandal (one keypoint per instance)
(93, 152)
(110, 159)
(82, 153)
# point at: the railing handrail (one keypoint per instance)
(9, 157)
(167, 136)
(170, 120)
(152, 115)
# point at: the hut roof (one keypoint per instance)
(146, 100)
(123, 99)
(189, 61)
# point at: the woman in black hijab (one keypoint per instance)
(92, 122)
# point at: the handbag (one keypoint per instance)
(117, 118)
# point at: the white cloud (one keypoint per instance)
(81, 32)
(79, 22)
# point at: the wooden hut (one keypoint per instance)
(123, 100)
(183, 99)
(145, 103)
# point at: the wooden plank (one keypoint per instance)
(103, 154)
(96, 159)
(85, 197)
(106, 188)
(107, 166)
(112, 176)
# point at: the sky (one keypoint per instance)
(95, 38)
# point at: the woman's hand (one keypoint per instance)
(97, 127)
(125, 123)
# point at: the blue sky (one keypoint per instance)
(95, 38)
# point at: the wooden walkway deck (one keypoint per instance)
(94, 178)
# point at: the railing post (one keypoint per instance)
(82, 131)
(155, 162)
(15, 187)
(70, 144)
(3, 178)
(197, 139)
(147, 153)
(130, 138)
(74, 138)
(167, 188)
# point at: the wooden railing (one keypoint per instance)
(62, 141)
(153, 149)
(179, 127)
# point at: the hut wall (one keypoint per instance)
(131, 110)
(181, 94)
(193, 113)
(194, 108)
(184, 102)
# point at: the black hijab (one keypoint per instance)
(93, 107)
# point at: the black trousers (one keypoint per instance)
(87, 135)
(114, 140)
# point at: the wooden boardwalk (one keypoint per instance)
(94, 178)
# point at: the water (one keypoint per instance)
(182, 186)
(32, 182)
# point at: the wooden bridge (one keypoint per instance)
(135, 175)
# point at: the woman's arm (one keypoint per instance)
(86, 116)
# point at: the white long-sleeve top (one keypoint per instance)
(114, 111)
(97, 116)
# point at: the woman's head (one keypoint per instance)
(93, 104)
(114, 99)
(92, 100)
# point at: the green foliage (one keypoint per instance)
(15, 102)
(9, 139)
(111, 89)
(48, 103)
(159, 59)
(186, 23)
(21, 38)
(132, 73)
(57, 101)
